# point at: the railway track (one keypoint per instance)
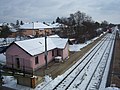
(73, 74)
(88, 72)
(93, 75)
(105, 75)
(96, 78)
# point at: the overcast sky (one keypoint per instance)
(48, 10)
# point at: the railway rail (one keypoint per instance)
(87, 61)
(88, 72)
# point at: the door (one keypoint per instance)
(17, 62)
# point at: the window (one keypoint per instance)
(36, 60)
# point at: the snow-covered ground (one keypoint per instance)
(10, 40)
(12, 83)
(77, 47)
(111, 88)
(2, 59)
(7, 42)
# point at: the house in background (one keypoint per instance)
(55, 27)
(35, 28)
(28, 55)
(14, 32)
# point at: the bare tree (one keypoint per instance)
(78, 25)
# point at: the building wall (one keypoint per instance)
(41, 60)
(48, 31)
(66, 51)
(27, 61)
(14, 52)
(58, 52)
(13, 34)
(31, 32)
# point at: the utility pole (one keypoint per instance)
(46, 49)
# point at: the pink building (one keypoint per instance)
(29, 55)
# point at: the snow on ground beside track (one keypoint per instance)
(104, 79)
(111, 88)
(11, 82)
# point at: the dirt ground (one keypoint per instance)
(55, 69)
(115, 73)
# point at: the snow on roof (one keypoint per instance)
(34, 25)
(55, 25)
(9, 26)
(1, 24)
(52, 36)
(99, 29)
(111, 88)
(37, 46)
(13, 30)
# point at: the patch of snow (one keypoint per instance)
(47, 78)
(11, 82)
(13, 30)
(2, 59)
(77, 47)
(111, 88)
